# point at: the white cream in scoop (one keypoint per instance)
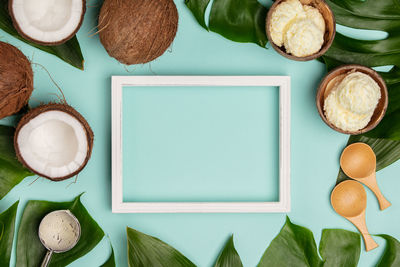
(300, 29)
(59, 230)
(352, 101)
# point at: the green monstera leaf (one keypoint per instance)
(293, 246)
(30, 251)
(11, 170)
(198, 8)
(391, 256)
(229, 256)
(383, 15)
(7, 227)
(340, 248)
(240, 21)
(69, 52)
(145, 250)
(111, 260)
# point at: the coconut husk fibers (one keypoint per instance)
(27, 37)
(16, 80)
(54, 107)
(137, 31)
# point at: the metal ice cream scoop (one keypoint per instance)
(59, 231)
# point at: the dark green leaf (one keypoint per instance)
(368, 53)
(367, 14)
(391, 256)
(30, 252)
(7, 228)
(392, 76)
(340, 248)
(381, 15)
(11, 170)
(293, 246)
(198, 8)
(238, 20)
(111, 260)
(145, 250)
(229, 256)
(388, 128)
(69, 52)
(394, 98)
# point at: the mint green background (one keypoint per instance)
(315, 148)
(200, 143)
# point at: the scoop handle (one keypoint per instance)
(371, 183)
(47, 258)
(370, 244)
(359, 222)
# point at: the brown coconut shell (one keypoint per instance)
(27, 37)
(326, 87)
(16, 80)
(54, 107)
(137, 31)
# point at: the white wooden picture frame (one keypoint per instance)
(283, 205)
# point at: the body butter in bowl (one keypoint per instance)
(352, 99)
(300, 30)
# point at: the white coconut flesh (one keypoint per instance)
(48, 21)
(53, 144)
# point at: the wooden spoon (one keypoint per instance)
(358, 161)
(349, 200)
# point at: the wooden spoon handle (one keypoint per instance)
(383, 202)
(359, 222)
(371, 183)
(370, 244)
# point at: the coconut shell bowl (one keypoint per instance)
(326, 87)
(329, 35)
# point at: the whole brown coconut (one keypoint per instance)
(25, 133)
(137, 31)
(16, 80)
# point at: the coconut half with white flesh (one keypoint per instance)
(54, 141)
(47, 22)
